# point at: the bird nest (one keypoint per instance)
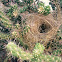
(42, 29)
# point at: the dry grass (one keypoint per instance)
(36, 32)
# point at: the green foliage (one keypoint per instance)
(27, 6)
(14, 14)
(56, 45)
(57, 52)
(6, 2)
(36, 56)
(6, 25)
(10, 11)
(25, 30)
(41, 4)
(33, 8)
(28, 2)
(14, 30)
(4, 21)
(23, 9)
(4, 36)
(38, 49)
(46, 58)
(18, 52)
(45, 10)
(24, 2)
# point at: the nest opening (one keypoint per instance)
(44, 28)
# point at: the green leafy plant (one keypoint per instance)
(14, 14)
(14, 30)
(12, 10)
(23, 9)
(25, 30)
(4, 21)
(57, 52)
(35, 56)
(45, 10)
(24, 2)
(6, 3)
(28, 6)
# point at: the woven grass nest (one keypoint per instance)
(42, 29)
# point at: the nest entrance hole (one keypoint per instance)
(44, 28)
